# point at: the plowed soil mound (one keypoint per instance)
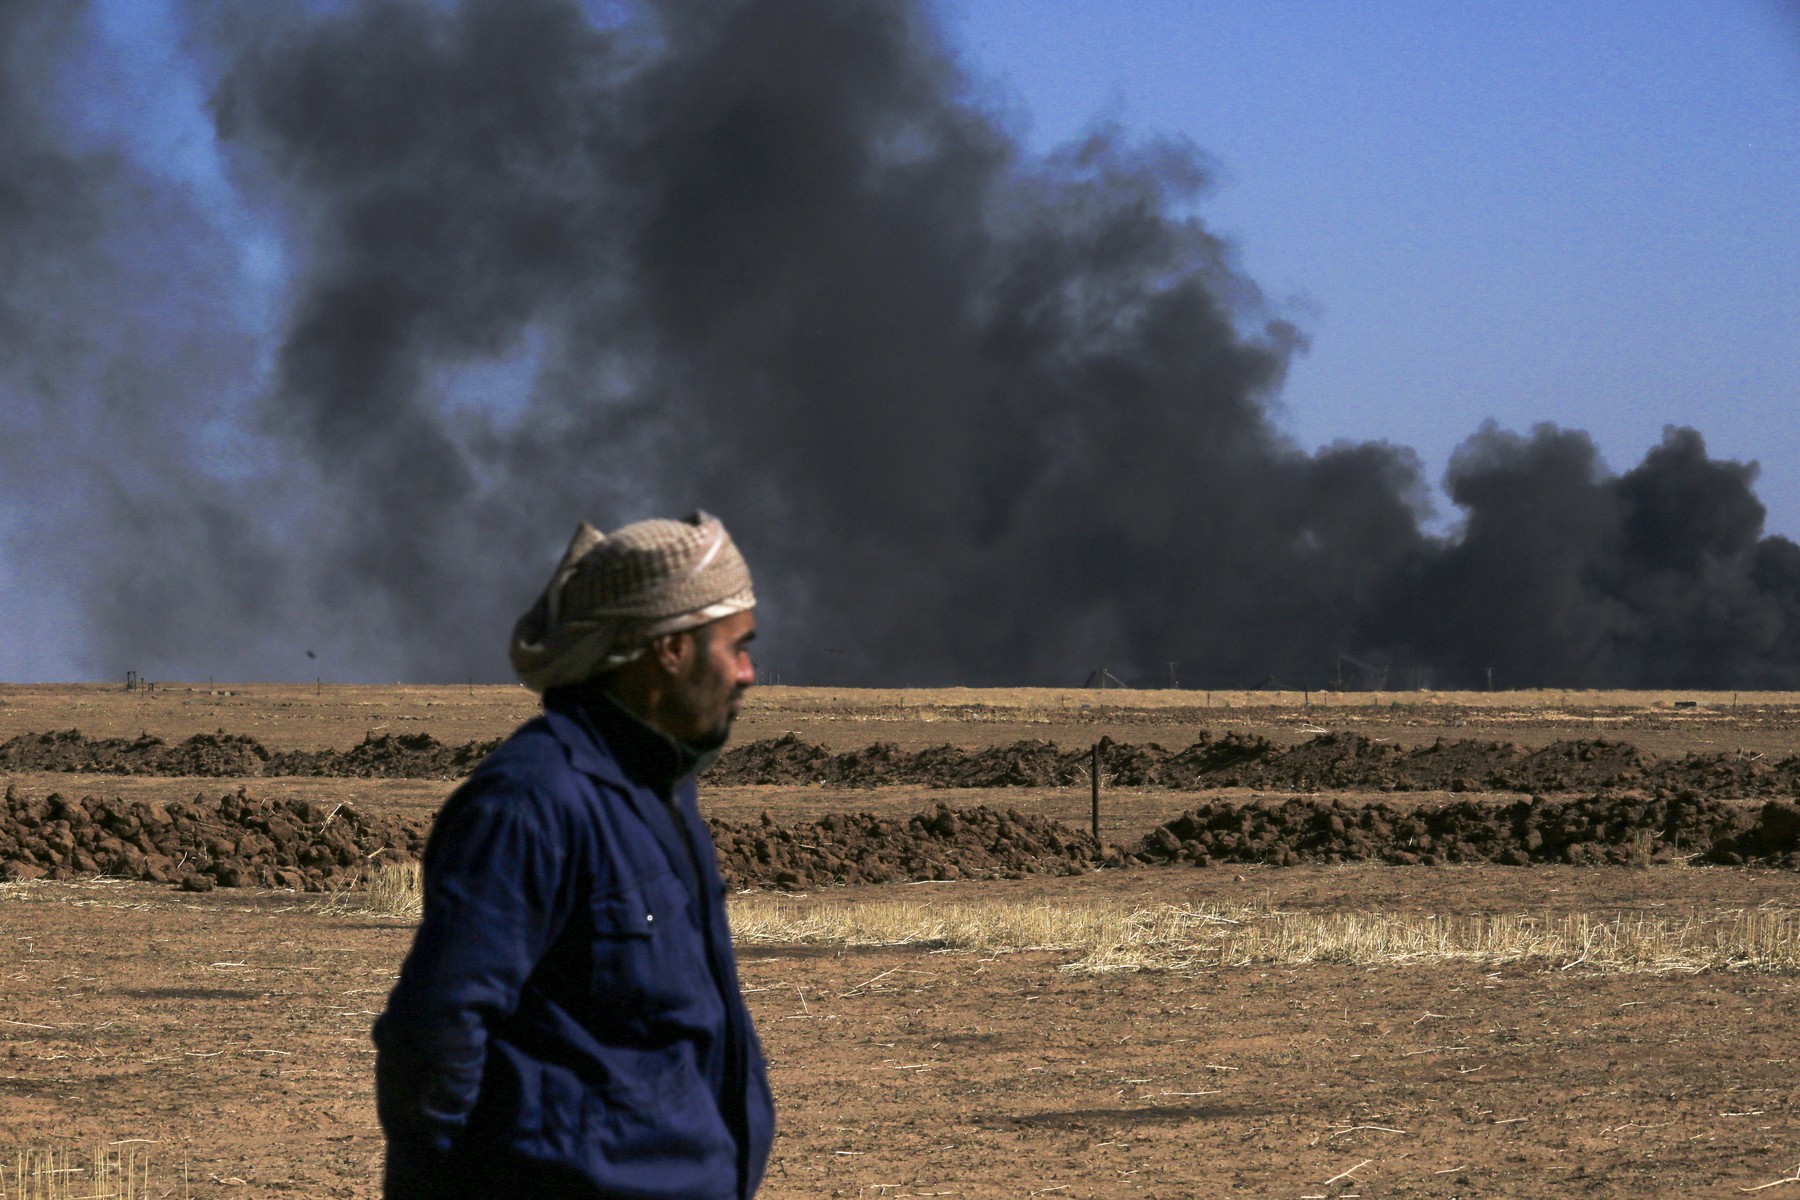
(387, 756)
(1328, 762)
(237, 840)
(211, 754)
(1332, 761)
(1616, 829)
(941, 843)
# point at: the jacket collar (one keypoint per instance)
(607, 742)
(644, 755)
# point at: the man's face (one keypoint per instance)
(709, 685)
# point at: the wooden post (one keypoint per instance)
(1096, 774)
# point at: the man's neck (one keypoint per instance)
(643, 749)
(629, 700)
(635, 693)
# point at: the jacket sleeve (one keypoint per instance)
(493, 878)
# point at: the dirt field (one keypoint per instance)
(229, 1029)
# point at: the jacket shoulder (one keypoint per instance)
(531, 749)
(532, 765)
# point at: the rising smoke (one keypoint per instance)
(976, 416)
(119, 345)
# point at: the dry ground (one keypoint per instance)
(296, 717)
(230, 1030)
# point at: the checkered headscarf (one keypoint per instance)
(613, 594)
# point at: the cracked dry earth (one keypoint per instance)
(225, 1033)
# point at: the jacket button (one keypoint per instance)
(648, 917)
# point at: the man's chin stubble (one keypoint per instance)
(714, 739)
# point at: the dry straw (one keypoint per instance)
(388, 890)
(1106, 937)
(115, 1172)
(394, 890)
(1119, 937)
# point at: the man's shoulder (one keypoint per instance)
(532, 745)
(550, 753)
(526, 778)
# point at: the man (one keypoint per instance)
(569, 1022)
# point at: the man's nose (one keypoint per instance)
(746, 674)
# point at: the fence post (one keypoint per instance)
(1096, 781)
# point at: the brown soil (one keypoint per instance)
(236, 755)
(1629, 829)
(848, 849)
(298, 717)
(1327, 761)
(241, 840)
(230, 1028)
(237, 840)
(230, 1032)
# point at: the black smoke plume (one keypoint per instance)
(976, 416)
(118, 340)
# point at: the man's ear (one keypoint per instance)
(672, 651)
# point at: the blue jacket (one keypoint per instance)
(569, 1021)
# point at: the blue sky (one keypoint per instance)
(1577, 213)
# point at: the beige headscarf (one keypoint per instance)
(612, 595)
